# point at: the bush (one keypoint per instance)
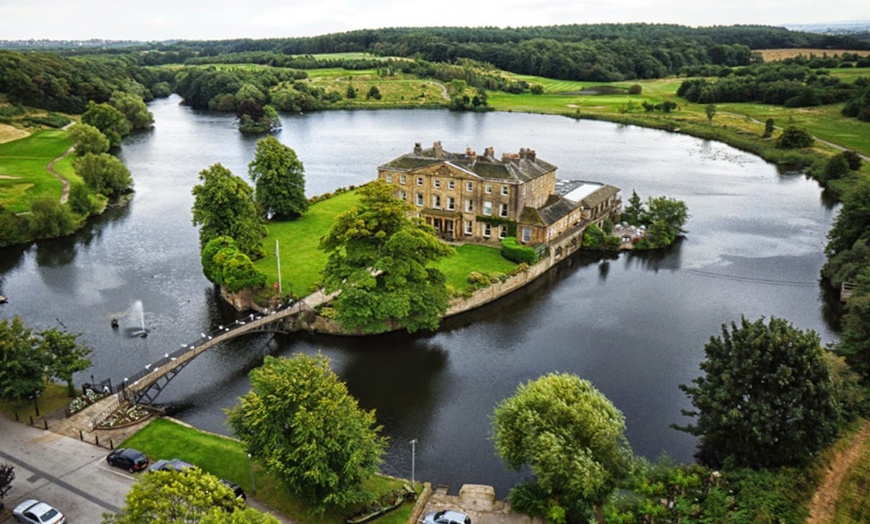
(794, 138)
(635, 89)
(515, 252)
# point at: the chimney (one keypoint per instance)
(437, 150)
(473, 158)
(418, 150)
(530, 154)
(489, 153)
(467, 151)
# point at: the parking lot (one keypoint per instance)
(70, 475)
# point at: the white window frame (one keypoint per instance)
(419, 181)
(403, 194)
(469, 205)
(504, 190)
(502, 231)
(451, 184)
(487, 208)
(403, 179)
(487, 230)
(451, 203)
(389, 177)
(419, 199)
(436, 201)
(469, 186)
(502, 210)
(488, 189)
(436, 183)
(469, 227)
(527, 234)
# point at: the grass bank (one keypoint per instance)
(23, 173)
(54, 397)
(302, 262)
(226, 458)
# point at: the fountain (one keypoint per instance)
(138, 310)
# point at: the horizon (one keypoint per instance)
(162, 20)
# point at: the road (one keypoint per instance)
(68, 474)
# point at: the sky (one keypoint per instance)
(224, 19)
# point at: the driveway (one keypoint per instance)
(68, 474)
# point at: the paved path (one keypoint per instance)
(68, 474)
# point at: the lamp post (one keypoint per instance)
(253, 481)
(413, 460)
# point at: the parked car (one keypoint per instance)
(128, 458)
(36, 512)
(240, 493)
(446, 516)
(170, 465)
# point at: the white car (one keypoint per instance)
(36, 512)
(446, 517)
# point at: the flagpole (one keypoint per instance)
(278, 259)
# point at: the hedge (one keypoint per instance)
(515, 252)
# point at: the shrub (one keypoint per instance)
(522, 267)
(635, 89)
(794, 138)
(515, 252)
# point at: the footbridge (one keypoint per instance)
(144, 386)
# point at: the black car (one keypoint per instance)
(170, 465)
(240, 493)
(128, 458)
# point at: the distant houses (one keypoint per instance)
(483, 198)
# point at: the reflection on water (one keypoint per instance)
(634, 324)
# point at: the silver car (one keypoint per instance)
(446, 516)
(36, 512)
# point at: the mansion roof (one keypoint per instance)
(512, 167)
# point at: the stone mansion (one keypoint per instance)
(481, 198)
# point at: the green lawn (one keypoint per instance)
(226, 458)
(472, 257)
(302, 262)
(23, 173)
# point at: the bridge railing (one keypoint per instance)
(130, 382)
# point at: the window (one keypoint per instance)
(436, 182)
(488, 189)
(502, 231)
(403, 179)
(487, 208)
(527, 234)
(487, 230)
(451, 184)
(419, 181)
(389, 177)
(451, 203)
(420, 199)
(502, 210)
(468, 227)
(469, 205)
(504, 190)
(436, 201)
(403, 194)
(469, 186)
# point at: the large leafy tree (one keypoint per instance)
(571, 437)
(379, 259)
(104, 173)
(49, 219)
(766, 398)
(22, 361)
(88, 139)
(188, 496)
(855, 338)
(279, 179)
(224, 206)
(66, 355)
(300, 422)
(133, 108)
(110, 121)
(852, 223)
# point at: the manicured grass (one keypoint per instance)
(23, 173)
(301, 261)
(54, 397)
(226, 458)
(472, 257)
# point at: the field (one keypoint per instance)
(772, 55)
(471, 257)
(23, 173)
(226, 458)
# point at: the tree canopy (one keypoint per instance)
(379, 259)
(569, 434)
(302, 425)
(279, 179)
(110, 121)
(766, 398)
(22, 361)
(88, 139)
(67, 356)
(184, 496)
(104, 173)
(224, 206)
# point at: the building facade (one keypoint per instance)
(482, 198)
